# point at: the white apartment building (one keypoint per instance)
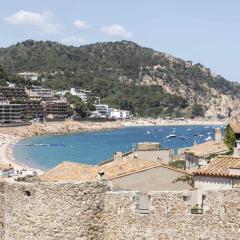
(102, 109)
(80, 93)
(38, 93)
(118, 113)
(33, 76)
(75, 92)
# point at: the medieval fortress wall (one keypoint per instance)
(85, 211)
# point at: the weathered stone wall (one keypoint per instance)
(49, 211)
(170, 217)
(2, 209)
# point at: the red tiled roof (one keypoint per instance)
(207, 148)
(235, 126)
(220, 167)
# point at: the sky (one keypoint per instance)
(206, 31)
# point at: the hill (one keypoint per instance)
(126, 75)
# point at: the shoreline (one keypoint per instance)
(11, 135)
(7, 159)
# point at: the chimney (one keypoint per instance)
(118, 156)
(236, 152)
(218, 135)
(101, 176)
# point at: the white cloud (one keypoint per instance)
(81, 24)
(73, 40)
(41, 20)
(116, 30)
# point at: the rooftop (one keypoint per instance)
(235, 125)
(208, 148)
(220, 167)
(70, 171)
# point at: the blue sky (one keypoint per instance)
(206, 31)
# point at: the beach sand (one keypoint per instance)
(6, 154)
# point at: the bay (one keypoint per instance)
(45, 152)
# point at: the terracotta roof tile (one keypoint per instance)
(69, 171)
(235, 126)
(221, 167)
(207, 148)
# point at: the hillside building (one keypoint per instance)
(38, 93)
(12, 93)
(10, 113)
(102, 110)
(57, 109)
(34, 109)
(81, 93)
(118, 113)
(33, 76)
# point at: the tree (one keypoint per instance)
(230, 137)
(79, 106)
(197, 110)
(3, 77)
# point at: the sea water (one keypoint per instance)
(45, 152)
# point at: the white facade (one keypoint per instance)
(12, 85)
(118, 113)
(102, 109)
(29, 75)
(40, 93)
(205, 183)
(75, 92)
(79, 93)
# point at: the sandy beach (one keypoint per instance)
(6, 158)
(11, 135)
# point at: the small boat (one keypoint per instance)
(208, 138)
(183, 137)
(171, 136)
(189, 129)
(147, 132)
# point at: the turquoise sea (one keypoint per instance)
(45, 152)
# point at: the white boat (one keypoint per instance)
(171, 136)
(147, 132)
(208, 138)
(189, 129)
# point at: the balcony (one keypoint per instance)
(196, 210)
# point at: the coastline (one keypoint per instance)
(7, 159)
(11, 135)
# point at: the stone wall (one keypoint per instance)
(170, 217)
(47, 211)
(55, 211)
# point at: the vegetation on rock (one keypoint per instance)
(125, 75)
